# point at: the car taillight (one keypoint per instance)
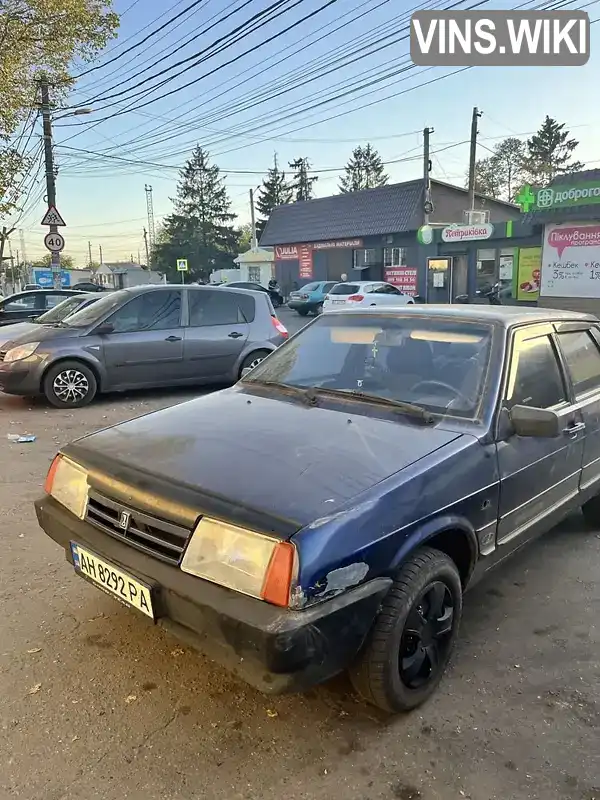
(356, 298)
(326, 297)
(280, 327)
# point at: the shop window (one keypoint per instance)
(361, 259)
(394, 257)
(486, 268)
(506, 266)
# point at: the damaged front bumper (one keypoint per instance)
(276, 650)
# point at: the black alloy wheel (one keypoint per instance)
(412, 638)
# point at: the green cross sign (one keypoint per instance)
(525, 198)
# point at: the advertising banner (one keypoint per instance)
(305, 258)
(528, 273)
(405, 278)
(286, 252)
(571, 260)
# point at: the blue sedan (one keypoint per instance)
(310, 298)
(330, 510)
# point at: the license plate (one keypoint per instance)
(339, 301)
(114, 581)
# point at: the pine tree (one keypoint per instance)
(364, 170)
(302, 182)
(549, 153)
(200, 229)
(275, 191)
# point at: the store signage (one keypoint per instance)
(528, 273)
(561, 195)
(305, 259)
(339, 243)
(467, 233)
(287, 252)
(405, 278)
(425, 234)
(571, 261)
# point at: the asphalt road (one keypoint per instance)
(95, 702)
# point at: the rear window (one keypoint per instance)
(344, 288)
(311, 287)
(327, 287)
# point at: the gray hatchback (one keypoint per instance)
(143, 337)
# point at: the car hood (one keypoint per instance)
(15, 330)
(267, 461)
(39, 333)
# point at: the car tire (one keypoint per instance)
(303, 312)
(253, 360)
(383, 672)
(318, 309)
(70, 384)
(591, 512)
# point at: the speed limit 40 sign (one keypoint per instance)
(54, 242)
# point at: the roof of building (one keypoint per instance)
(395, 208)
(581, 212)
(387, 209)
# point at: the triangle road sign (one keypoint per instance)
(52, 217)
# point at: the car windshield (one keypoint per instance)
(98, 310)
(62, 310)
(344, 288)
(437, 364)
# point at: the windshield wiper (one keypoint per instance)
(308, 393)
(400, 405)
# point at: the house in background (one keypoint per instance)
(124, 274)
(256, 265)
(372, 235)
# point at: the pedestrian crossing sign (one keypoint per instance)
(182, 265)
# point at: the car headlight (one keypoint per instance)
(67, 483)
(243, 560)
(22, 351)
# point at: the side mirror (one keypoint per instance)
(103, 329)
(540, 422)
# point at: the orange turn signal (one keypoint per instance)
(51, 473)
(280, 572)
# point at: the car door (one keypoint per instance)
(145, 345)
(539, 477)
(580, 346)
(19, 307)
(216, 332)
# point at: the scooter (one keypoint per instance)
(276, 297)
(490, 293)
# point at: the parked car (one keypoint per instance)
(88, 286)
(365, 293)
(30, 304)
(309, 299)
(55, 316)
(275, 295)
(143, 337)
(329, 511)
(31, 287)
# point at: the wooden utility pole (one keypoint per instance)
(50, 179)
(473, 157)
(100, 251)
(253, 242)
(147, 251)
(90, 253)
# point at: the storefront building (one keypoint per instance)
(567, 212)
(371, 235)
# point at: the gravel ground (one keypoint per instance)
(95, 702)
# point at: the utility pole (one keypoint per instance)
(254, 243)
(4, 234)
(427, 201)
(90, 253)
(100, 251)
(147, 251)
(473, 157)
(23, 250)
(50, 179)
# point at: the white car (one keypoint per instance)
(354, 294)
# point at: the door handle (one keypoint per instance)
(235, 335)
(173, 339)
(574, 428)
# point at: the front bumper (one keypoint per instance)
(20, 377)
(274, 649)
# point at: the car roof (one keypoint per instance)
(356, 283)
(506, 316)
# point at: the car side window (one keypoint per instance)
(387, 288)
(22, 303)
(54, 299)
(150, 311)
(220, 307)
(583, 360)
(327, 287)
(535, 377)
